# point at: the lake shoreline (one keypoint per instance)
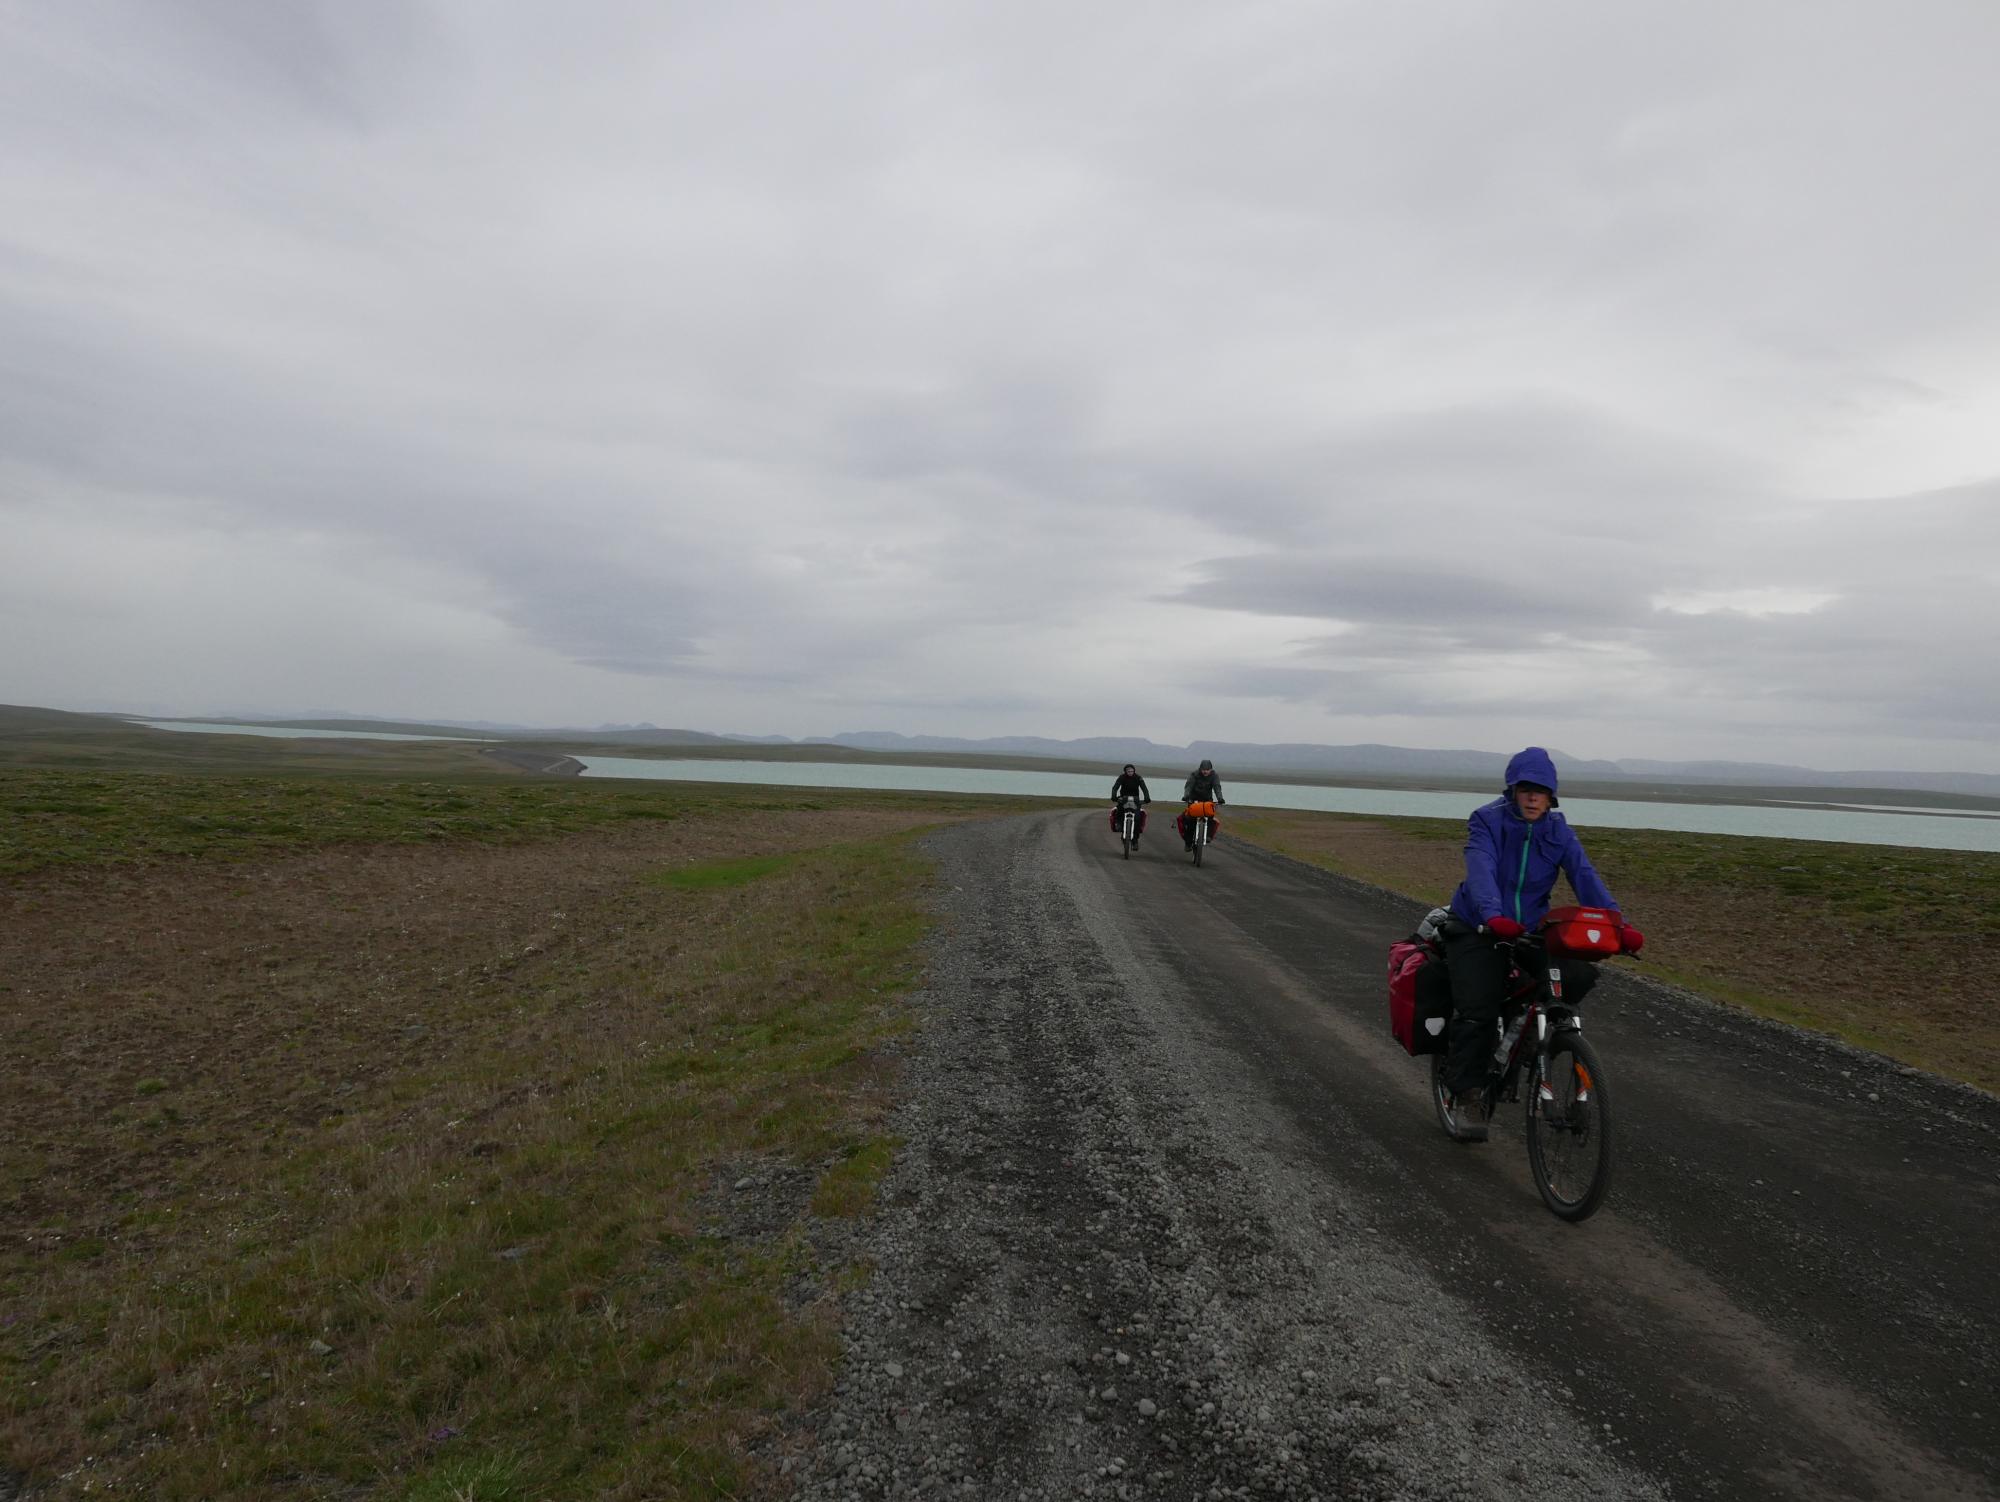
(1844, 795)
(1831, 822)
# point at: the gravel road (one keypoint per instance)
(1174, 1221)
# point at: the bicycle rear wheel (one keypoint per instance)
(1569, 1127)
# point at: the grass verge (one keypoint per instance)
(67, 818)
(57, 817)
(1890, 948)
(492, 1210)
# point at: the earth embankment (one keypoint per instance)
(547, 763)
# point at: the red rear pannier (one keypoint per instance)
(1589, 933)
(1419, 997)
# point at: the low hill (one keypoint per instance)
(16, 718)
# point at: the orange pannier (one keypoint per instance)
(1201, 810)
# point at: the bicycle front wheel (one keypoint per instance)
(1569, 1127)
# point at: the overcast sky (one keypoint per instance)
(1622, 377)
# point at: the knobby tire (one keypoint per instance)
(1569, 1144)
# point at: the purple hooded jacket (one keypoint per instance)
(1511, 865)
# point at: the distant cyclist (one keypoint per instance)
(1515, 847)
(1130, 785)
(1202, 786)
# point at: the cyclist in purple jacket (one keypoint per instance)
(1515, 847)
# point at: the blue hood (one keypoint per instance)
(1532, 765)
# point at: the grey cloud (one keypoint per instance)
(1907, 636)
(764, 362)
(604, 616)
(1528, 598)
(1028, 430)
(1406, 690)
(1473, 478)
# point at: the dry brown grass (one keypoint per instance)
(390, 1171)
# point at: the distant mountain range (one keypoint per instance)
(1370, 760)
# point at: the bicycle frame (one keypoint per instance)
(1568, 1113)
(1535, 997)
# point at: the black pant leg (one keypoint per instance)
(1478, 984)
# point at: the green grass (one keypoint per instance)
(79, 791)
(494, 1478)
(1942, 892)
(42, 738)
(847, 1188)
(562, 1317)
(53, 818)
(56, 818)
(511, 1268)
(714, 875)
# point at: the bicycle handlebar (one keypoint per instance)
(1537, 939)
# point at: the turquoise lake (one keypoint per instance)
(1861, 826)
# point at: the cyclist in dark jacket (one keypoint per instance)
(1202, 786)
(1515, 847)
(1130, 785)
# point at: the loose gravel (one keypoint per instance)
(1104, 1267)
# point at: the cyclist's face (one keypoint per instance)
(1532, 801)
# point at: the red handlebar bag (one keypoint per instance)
(1585, 932)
